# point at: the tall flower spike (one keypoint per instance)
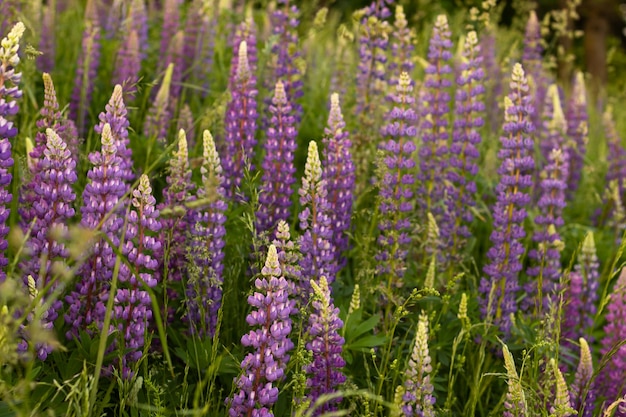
(132, 312)
(326, 345)
(246, 31)
(418, 398)
(509, 211)
(116, 116)
(128, 64)
(198, 43)
(9, 94)
(53, 210)
(240, 119)
(611, 378)
(561, 404)
(466, 138)
(583, 390)
(265, 366)
(278, 167)
(554, 123)
(86, 70)
(434, 121)
(546, 258)
(577, 131)
(158, 118)
(515, 404)
(532, 60)
(86, 304)
(402, 46)
(206, 268)
(316, 246)
(45, 62)
(339, 173)
(138, 21)
(289, 256)
(171, 22)
(395, 182)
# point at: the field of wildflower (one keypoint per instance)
(238, 210)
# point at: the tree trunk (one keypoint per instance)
(597, 28)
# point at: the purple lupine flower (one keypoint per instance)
(532, 60)
(265, 366)
(138, 22)
(132, 311)
(396, 183)
(206, 268)
(199, 43)
(402, 46)
(418, 398)
(545, 271)
(240, 128)
(128, 64)
(466, 137)
(611, 377)
(286, 55)
(246, 31)
(9, 94)
(112, 17)
(53, 210)
(583, 390)
(175, 56)
(500, 285)
(173, 236)
(171, 23)
(325, 343)
(158, 118)
(87, 68)
(278, 167)
(86, 303)
(434, 123)
(185, 122)
(45, 62)
(577, 131)
(116, 117)
(339, 176)
(318, 253)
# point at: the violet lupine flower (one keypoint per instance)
(500, 285)
(286, 55)
(396, 183)
(45, 62)
(158, 118)
(173, 256)
(116, 117)
(466, 137)
(53, 210)
(9, 94)
(318, 252)
(128, 64)
(132, 311)
(577, 131)
(246, 31)
(86, 304)
(402, 46)
(434, 123)
(171, 23)
(611, 377)
(325, 343)
(583, 390)
(265, 366)
(206, 269)
(87, 68)
(200, 30)
(240, 128)
(278, 167)
(532, 60)
(418, 398)
(138, 21)
(339, 174)
(545, 271)
(175, 56)
(515, 404)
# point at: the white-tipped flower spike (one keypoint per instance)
(211, 169)
(515, 403)
(180, 158)
(243, 67)
(557, 121)
(313, 167)
(355, 301)
(108, 142)
(10, 45)
(561, 405)
(418, 397)
(429, 282)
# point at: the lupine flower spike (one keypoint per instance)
(509, 211)
(278, 167)
(128, 63)
(45, 62)
(171, 22)
(318, 258)
(158, 118)
(533, 64)
(326, 344)
(206, 268)
(583, 389)
(418, 399)
(339, 173)
(240, 123)
(561, 404)
(577, 131)
(396, 183)
(132, 311)
(402, 46)
(515, 404)
(9, 94)
(199, 42)
(266, 366)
